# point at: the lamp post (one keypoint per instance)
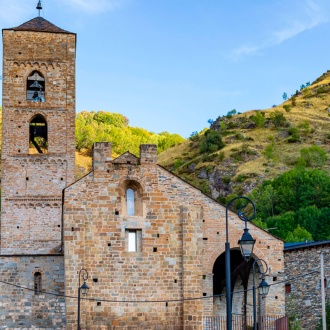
(84, 289)
(263, 287)
(246, 244)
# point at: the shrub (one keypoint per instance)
(223, 126)
(287, 107)
(211, 141)
(193, 136)
(231, 113)
(269, 152)
(314, 156)
(259, 119)
(294, 135)
(277, 118)
(239, 136)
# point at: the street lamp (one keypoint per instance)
(83, 289)
(246, 245)
(263, 287)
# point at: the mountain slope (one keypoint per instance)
(252, 154)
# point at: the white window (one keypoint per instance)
(133, 240)
(130, 201)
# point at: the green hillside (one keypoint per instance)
(257, 145)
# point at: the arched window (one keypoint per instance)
(38, 135)
(130, 201)
(132, 198)
(35, 87)
(37, 283)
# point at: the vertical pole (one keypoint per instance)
(324, 322)
(254, 301)
(228, 286)
(78, 308)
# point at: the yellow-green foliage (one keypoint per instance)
(113, 127)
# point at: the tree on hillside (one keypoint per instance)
(297, 197)
(299, 235)
(259, 119)
(211, 141)
(113, 127)
(277, 118)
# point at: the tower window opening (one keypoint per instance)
(130, 201)
(38, 136)
(37, 283)
(35, 87)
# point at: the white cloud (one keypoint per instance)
(246, 51)
(313, 17)
(309, 15)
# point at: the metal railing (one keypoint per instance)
(271, 322)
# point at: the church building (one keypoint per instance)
(149, 246)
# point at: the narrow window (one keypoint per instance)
(130, 201)
(288, 288)
(37, 283)
(38, 135)
(132, 241)
(35, 87)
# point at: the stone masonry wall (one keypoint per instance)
(182, 234)
(20, 306)
(32, 184)
(302, 270)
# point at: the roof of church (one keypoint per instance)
(39, 24)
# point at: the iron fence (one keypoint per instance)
(239, 322)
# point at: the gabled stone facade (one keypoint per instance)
(180, 233)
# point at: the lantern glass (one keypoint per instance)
(84, 289)
(263, 288)
(246, 244)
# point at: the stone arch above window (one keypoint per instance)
(38, 135)
(35, 87)
(37, 283)
(133, 198)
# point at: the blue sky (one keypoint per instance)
(170, 65)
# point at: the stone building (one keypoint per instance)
(303, 280)
(152, 244)
(38, 161)
(144, 234)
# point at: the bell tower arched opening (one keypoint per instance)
(38, 135)
(35, 87)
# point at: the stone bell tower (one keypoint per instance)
(38, 135)
(38, 161)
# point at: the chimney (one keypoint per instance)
(148, 154)
(101, 155)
